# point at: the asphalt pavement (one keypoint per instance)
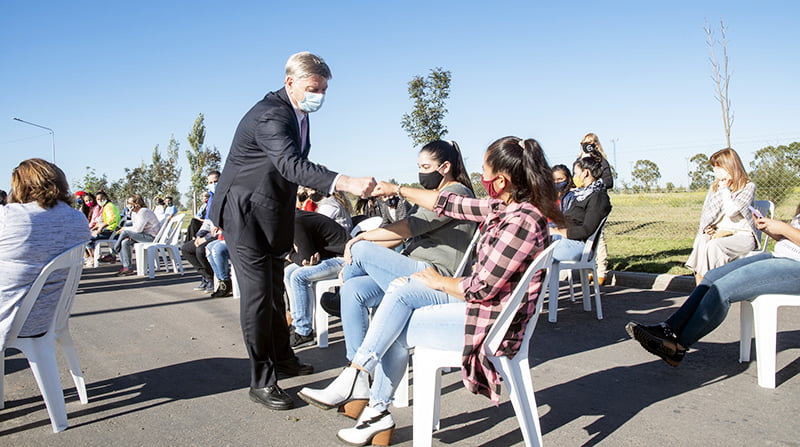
(165, 366)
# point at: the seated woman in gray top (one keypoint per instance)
(37, 225)
(432, 241)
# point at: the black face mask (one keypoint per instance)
(302, 197)
(393, 201)
(589, 148)
(430, 180)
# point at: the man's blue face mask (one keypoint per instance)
(311, 102)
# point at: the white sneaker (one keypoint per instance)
(351, 384)
(373, 426)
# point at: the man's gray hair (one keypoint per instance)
(305, 64)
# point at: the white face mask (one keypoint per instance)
(102, 202)
(311, 102)
(721, 173)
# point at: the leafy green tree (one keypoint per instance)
(202, 160)
(702, 175)
(646, 174)
(776, 171)
(165, 172)
(91, 182)
(424, 123)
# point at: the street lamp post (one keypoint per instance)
(52, 134)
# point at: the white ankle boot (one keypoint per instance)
(373, 426)
(351, 385)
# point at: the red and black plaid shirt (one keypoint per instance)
(511, 237)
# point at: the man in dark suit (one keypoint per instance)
(254, 204)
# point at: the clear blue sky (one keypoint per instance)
(115, 79)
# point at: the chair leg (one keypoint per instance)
(140, 257)
(175, 257)
(152, 261)
(68, 347)
(571, 286)
(427, 394)
(766, 328)
(320, 317)
(96, 254)
(401, 393)
(587, 299)
(552, 306)
(597, 303)
(745, 330)
(42, 360)
(517, 376)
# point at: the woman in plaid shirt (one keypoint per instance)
(456, 312)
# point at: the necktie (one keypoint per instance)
(303, 133)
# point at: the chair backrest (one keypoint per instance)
(767, 209)
(72, 261)
(173, 233)
(366, 225)
(590, 247)
(462, 266)
(504, 319)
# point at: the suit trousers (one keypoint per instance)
(259, 273)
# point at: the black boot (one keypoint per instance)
(224, 289)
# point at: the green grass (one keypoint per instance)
(654, 232)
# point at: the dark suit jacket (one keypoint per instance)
(263, 168)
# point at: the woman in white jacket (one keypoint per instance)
(727, 230)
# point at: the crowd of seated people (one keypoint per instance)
(412, 294)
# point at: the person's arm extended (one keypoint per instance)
(778, 230)
(425, 198)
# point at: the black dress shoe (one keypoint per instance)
(292, 367)
(331, 303)
(272, 397)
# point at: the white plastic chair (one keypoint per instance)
(40, 351)
(584, 265)
(97, 251)
(515, 372)
(167, 246)
(762, 313)
(767, 209)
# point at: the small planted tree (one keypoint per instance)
(201, 159)
(424, 123)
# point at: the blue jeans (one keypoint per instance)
(743, 279)
(298, 281)
(218, 257)
(366, 280)
(568, 250)
(384, 351)
(124, 243)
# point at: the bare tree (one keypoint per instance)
(721, 76)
